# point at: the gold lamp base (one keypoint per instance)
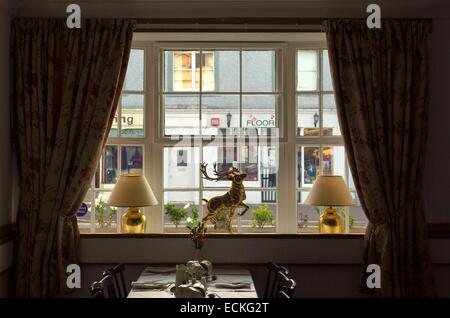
(330, 222)
(133, 221)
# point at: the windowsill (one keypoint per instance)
(226, 235)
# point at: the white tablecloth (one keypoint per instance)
(223, 276)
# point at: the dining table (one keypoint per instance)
(157, 282)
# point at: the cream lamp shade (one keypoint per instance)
(132, 190)
(329, 191)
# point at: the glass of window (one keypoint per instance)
(262, 214)
(110, 166)
(219, 114)
(132, 121)
(181, 114)
(134, 78)
(221, 71)
(105, 215)
(131, 159)
(181, 167)
(333, 160)
(307, 70)
(308, 160)
(258, 70)
(180, 209)
(308, 115)
(307, 215)
(330, 119)
(259, 113)
(84, 212)
(327, 84)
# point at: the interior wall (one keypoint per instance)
(437, 170)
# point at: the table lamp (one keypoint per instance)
(132, 191)
(330, 191)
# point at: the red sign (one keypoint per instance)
(215, 121)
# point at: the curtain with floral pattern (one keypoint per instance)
(380, 77)
(65, 88)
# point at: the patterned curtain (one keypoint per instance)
(380, 77)
(66, 85)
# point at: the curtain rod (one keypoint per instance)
(242, 24)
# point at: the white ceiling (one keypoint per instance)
(234, 8)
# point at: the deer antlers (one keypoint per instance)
(219, 175)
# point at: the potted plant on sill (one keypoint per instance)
(176, 215)
(262, 216)
(105, 215)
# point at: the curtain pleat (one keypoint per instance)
(380, 78)
(65, 90)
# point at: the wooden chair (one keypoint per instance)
(282, 294)
(272, 279)
(116, 273)
(286, 286)
(103, 288)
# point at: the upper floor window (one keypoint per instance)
(205, 91)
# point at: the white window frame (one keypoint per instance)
(154, 141)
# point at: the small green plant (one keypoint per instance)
(105, 216)
(351, 220)
(261, 216)
(176, 215)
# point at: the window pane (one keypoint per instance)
(358, 219)
(259, 111)
(258, 71)
(178, 207)
(131, 159)
(327, 84)
(333, 160)
(132, 115)
(351, 183)
(330, 120)
(179, 71)
(84, 212)
(260, 217)
(258, 162)
(208, 69)
(113, 132)
(307, 70)
(308, 215)
(225, 74)
(222, 217)
(105, 216)
(110, 166)
(219, 112)
(308, 115)
(308, 159)
(134, 79)
(225, 157)
(181, 167)
(181, 114)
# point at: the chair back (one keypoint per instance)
(103, 288)
(116, 273)
(272, 279)
(286, 286)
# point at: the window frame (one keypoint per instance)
(154, 140)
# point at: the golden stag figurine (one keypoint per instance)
(231, 200)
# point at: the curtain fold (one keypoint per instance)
(380, 78)
(65, 89)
